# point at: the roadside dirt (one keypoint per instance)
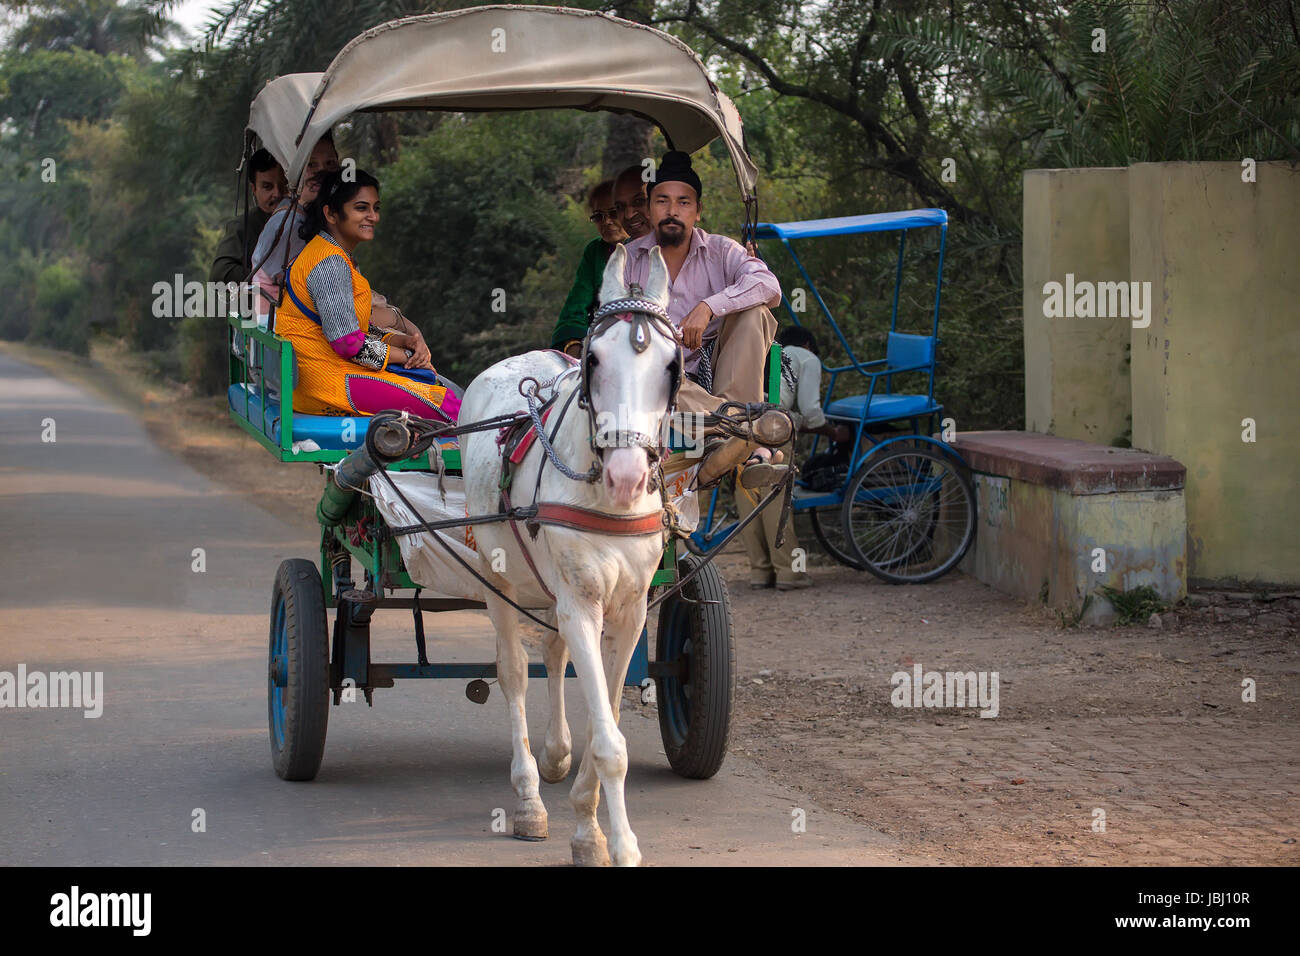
(1127, 745)
(1141, 730)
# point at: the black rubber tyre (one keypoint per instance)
(695, 715)
(298, 684)
(828, 527)
(909, 514)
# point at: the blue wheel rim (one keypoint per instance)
(279, 651)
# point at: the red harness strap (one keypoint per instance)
(570, 516)
(526, 442)
(523, 546)
(581, 519)
(584, 519)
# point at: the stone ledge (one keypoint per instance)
(1067, 464)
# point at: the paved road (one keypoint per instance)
(97, 575)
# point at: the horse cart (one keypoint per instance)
(445, 62)
(895, 500)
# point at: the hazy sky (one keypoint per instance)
(192, 15)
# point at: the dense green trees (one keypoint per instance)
(119, 143)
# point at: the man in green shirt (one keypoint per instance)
(234, 253)
(618, 208)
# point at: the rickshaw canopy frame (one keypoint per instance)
(506, 58)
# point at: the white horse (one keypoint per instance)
(599, 580)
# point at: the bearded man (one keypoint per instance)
(720, 299)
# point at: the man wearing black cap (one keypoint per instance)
(720, 298)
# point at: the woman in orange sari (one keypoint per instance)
(347, 366)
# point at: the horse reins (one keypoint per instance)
(643, 317)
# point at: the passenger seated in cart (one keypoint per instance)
(575, 315)
(235, 251)
(630, 202)
(629, 205)
(720, 299)
(280, 239)
(348, 365)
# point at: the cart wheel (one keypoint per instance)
(695, 712)
(298, 675)
(828, 526)
(909, 514)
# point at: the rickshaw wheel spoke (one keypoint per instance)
(909, 514)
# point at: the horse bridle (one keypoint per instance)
(643, 317)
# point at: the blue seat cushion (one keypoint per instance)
(883, 407)
(325, 430)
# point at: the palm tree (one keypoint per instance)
(131, 28)
(1124, 83)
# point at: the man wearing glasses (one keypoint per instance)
(618, 208)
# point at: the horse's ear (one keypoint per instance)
(612, 286)
(656, 284)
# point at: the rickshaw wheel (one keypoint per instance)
(828, 527)
(909, 514)
(298, 671)
(695, 712)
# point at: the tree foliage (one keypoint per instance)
(850, 106)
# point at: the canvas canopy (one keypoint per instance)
(515, 58)
(279, 110)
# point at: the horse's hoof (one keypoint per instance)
(531, 826)
(590, 852)
(630, 854)
(556, 773)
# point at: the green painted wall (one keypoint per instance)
(1039, 544)
(1076, 221)
(1223, 346)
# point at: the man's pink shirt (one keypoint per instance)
(717, 272)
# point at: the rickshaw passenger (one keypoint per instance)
(347, 365)
(630, 206)
(280, 235)
(630, 202)
(720, 298)
(575, 316)
(235, 252)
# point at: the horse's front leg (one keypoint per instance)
(557, 755)
(622, 631)
(580, 620)
(606, 754)
(512, 671)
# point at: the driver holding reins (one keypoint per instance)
(720, 299)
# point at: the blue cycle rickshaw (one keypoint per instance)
(894, 501)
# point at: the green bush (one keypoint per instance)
(1134, 606)
(202, 353)
(61, 300)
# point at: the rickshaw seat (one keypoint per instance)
(325, 430)
(915, 353)
(882, 408)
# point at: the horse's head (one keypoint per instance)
(631, 369)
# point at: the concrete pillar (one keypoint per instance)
(1223, 345)
(1076, 221)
